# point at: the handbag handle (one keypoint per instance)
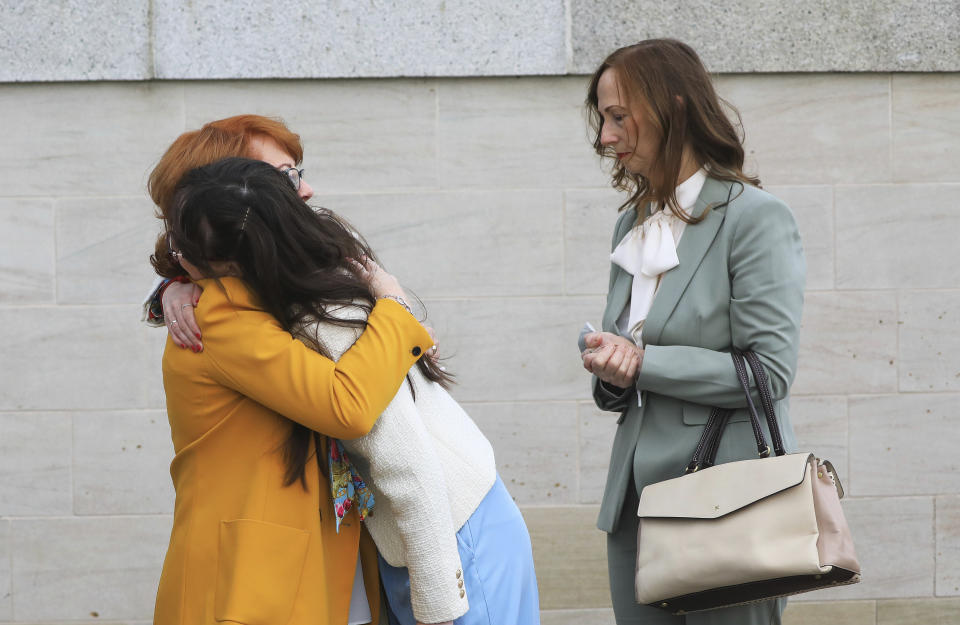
(706, 450)
(705, 454)
(766, 400)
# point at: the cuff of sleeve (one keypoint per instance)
(439, 600)
(153, 306)
(418, 339)
(651, 369)
(148, 303)
(609, 391)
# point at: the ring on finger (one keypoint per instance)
(186, 306)
(173, 322)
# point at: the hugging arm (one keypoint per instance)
(171, 303)
(250, 352)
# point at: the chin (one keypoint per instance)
(632, 169)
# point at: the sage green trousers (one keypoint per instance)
(622, 562)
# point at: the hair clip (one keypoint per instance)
(246, 214)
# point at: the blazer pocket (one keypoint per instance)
(697, 414)
(258, 571)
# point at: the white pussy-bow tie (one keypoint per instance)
(646, 252)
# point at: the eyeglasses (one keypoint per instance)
(295, 175)
(174, 255)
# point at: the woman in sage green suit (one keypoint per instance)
(703, 261)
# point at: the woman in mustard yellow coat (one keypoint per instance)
(253, 537)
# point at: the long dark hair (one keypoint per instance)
(293, 258)
(215, 140)
(667, 82)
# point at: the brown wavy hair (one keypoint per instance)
(216, 140)
(664, 81)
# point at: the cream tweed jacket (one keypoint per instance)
(429, 466)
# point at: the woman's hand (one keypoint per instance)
(434, 351)
(178, 301)
(381, 283)
(612, 358)
(384, 284)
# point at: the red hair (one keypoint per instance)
(216, 140)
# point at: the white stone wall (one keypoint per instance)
(484, 196)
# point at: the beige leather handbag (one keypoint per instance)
(744, 531)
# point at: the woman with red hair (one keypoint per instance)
(251, 136)
(453, 547)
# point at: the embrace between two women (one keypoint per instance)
(324, 475)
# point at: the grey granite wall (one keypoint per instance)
(77, 40)
(779, 36)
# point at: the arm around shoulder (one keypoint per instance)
(250, 352)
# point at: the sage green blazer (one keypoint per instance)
(739, 284)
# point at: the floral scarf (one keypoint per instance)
(346, 485)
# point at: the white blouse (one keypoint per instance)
(359, 608)
(648, 251)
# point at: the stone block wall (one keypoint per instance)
(457, 145)
(484, 196)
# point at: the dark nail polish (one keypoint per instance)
(198, 334)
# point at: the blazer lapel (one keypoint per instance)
(617, 300)
(622, 285)
(694, 243)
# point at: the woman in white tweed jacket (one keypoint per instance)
(433, 473)
(441, 514)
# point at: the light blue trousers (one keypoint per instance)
(497, 564)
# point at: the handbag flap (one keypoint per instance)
(722, 489)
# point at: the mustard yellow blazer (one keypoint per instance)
(244, 548)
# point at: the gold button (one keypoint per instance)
(460, 584)
(462, 593)
(459, 573)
